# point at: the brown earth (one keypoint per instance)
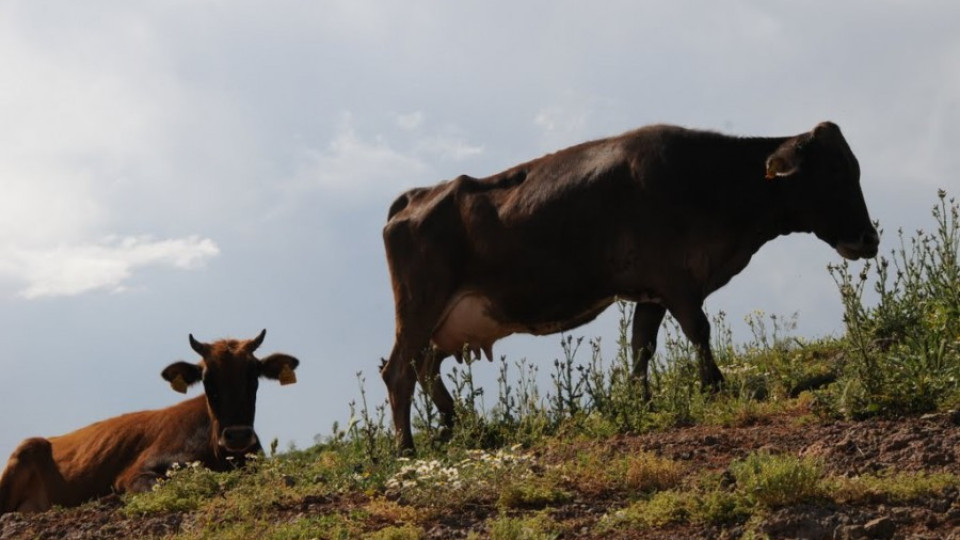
(930, 443)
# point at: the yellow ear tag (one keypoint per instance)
(287, 376)
(179, 384)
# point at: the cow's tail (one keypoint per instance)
(20, 467)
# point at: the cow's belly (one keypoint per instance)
(468, 323)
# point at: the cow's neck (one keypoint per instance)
(764, 200)
(756, 206)
(196, 442)
(221, 458)
(205, 433)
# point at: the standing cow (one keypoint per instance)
(662, 216)
(129, 453)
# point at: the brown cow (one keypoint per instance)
(129, 453)
(662, 216)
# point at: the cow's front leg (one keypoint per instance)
(695, 325)
(138, 479)
(646, 325)
(428, 373)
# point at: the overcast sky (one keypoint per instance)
(219, 167)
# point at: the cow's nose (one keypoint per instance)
(870, 240)
(238, 438)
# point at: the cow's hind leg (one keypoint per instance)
(695, 325)
(428, 373)
(646, 325)
(401, 378)
(29, 481)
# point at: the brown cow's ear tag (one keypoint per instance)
(179, 384)
(287, 376)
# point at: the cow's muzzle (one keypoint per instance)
(864, 247)
(238, 439)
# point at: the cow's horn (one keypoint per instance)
(201, 348)
(254, 343)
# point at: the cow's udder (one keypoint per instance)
(467, 322)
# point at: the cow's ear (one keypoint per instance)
(784, 162)
(827, 131)
(280, 367)
(181, 375)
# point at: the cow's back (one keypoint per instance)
(579, 200)
(109, 456)
(92, 458)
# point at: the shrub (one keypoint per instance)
(774, 481)
(183, 489)
(904, 351)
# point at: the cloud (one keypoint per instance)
(561, 120)
(93, 144)
(353, 166)
(448, 147)
(350, 166)
(572, 117)
(70, 270)
(410, 121)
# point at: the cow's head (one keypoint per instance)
(230, 374)
(821, 179)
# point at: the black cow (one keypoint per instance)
(662, 216)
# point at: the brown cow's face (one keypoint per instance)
(822, 182)
(231, 373)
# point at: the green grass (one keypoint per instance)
(893, 487)
(538, 526)
(525, 451)
(774, 481)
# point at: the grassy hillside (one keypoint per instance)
(857, 435)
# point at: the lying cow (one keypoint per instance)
(662, 216)
(129, 453)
